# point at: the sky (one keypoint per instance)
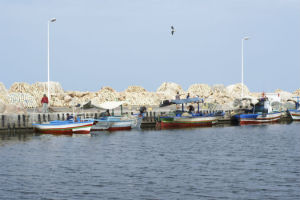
(118, 43)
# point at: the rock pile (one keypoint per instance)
(169, 90)
(135, 89)
(284, 96)
(23, 95)
(235, 91)
(23, 99)
(3, 94)
(201, 90)
(297, 93)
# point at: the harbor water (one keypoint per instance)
(234, 162)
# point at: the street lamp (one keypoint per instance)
(49, 21)
(245, 38)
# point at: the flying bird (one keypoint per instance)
(172, 30)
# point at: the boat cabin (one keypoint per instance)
(263, 106)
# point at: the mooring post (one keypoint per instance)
(24, 120)
(150, 116)
(39, 118)
(3, 121)
(58, 117)
(19, 121)
(14, 128)
(49, 118)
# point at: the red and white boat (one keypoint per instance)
(64, 127)
(258, 118)
(262, 112)
(189, 121)
(184, 119)
(295, 114)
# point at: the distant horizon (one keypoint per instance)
(98, 43)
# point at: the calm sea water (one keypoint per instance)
(249, 162)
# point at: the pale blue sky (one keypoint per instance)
(118, 43)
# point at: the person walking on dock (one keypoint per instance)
(45, 102)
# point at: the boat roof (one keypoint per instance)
(189, 100)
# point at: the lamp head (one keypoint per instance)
(53, 20)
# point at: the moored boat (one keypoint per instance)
(64, 127)
(262, 112)
(115, 123)
(295, 113)
(187, 119)
(258, 118)
(112, 123)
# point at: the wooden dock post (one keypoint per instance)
(19, 121)
(3, 121)
(24, 120)
(150, 117)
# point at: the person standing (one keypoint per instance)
(188, 95)
(45, 102)
(177, 97)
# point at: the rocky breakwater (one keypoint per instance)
(23, 95)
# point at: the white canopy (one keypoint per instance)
(110, 104)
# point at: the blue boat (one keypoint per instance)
(262, 112)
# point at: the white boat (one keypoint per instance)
(114, 123)
(64, 127)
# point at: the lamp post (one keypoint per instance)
(244, 38)
(49, 21)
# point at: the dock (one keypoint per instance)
(19, 122)
(13, 122)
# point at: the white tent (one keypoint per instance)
(110, 104)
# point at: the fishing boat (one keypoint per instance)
(262, 112)
(295, 113)
(64, 127)
(182, 119)
(115, 123)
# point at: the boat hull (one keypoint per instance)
(112, 126)
(116, 124)
(245, 119)
(64, 128)
(183, 122)
(295, 114)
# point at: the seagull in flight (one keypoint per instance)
(172, 30)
